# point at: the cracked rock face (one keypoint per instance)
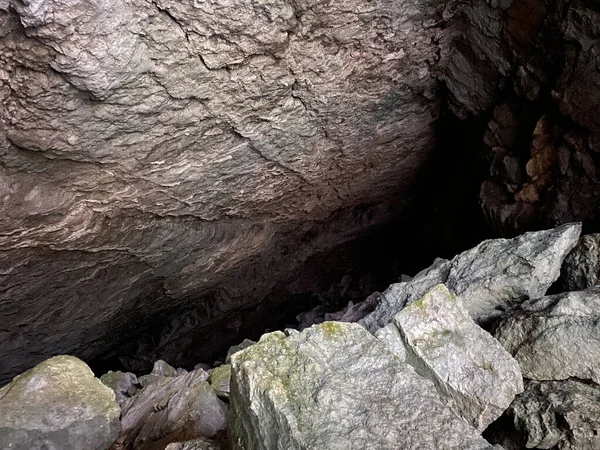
(581, 268)
(489, 279)
(556, 337)
(150, 151)
(558, 414)
(470, 369)
(335, 386)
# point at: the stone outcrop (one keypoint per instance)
(556, 337)
(334, 386)
(58, 404)
(165, 165)
(470, 369)
(153, 151)
(499, 273)
(488, 279)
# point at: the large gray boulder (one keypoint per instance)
(470, 369)
(489, 278)
(500, 273)
(58, 404)
(174, 409)
(398, 295)
(558, 414)
(581, 268)
(556, 337)
(334, 386)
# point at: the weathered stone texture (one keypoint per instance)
(334, 386)
(558, 414)
(556, 337)
(470, 369)
(581, 268)
(490, 278)
(58, 404)
(152, 150)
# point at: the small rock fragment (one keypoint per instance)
(162, 369)
(219, 380)
(124, 384)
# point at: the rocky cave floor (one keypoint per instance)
(469, 353)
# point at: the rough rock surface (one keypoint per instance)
(172, 410)
(398, 295)
(499, 273)
(220, 380)
(334, 386)
(469, 367)
(559, 414)
(390, 335)
(581, 268)
(163, 369)
(196, 444)
(491, 277)
(124, 384)
(152, 151)
(58, 404)
(236, 348)
(556, 337)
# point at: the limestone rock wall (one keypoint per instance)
(164, 164)
(153, 151)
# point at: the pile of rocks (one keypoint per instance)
(468, 354)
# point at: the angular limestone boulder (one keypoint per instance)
(489, 278)
(559, 414)
(501, 273)
(336, 387)
(556, 337)
(581, 268)
(236, 348)
(398, 295)
(185, 407)
(58, 404)
(469, 367)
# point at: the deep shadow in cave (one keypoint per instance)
(442, 220)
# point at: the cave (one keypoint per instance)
(178, 176)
